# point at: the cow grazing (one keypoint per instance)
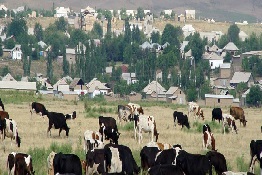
(119, 159)
(12, 132)
(58, 121)
(108, 129)
(218, 161)
(238, 113)
(92, 140)
(165, 170)
(148, 155)
(95, 162)
(217, 114)
(196, 110)
(160, 146)
(2, 104)
(124, 113)
(20, 163)
(70, 116)
(147, 124)
(208, 138)
(181, 119)
(255, 153)
(168, 156)
(38, 108)
(229, 121)
(66, 164)
(193, 164)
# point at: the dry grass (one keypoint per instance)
(33, 131)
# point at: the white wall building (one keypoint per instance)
(62, 12)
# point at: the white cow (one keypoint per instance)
(12, 132)
(229, 120)
(92, 140)
(147, 124)
(195, 109)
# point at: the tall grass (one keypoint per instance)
(18, 97)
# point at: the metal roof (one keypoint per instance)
(218, 96)
(240, 77)
(18, 85)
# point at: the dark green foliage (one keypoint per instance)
(227, 58)
(254, 97)
(38, 32)
(5, 70)
(233, 34)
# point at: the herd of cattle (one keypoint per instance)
(112, 158)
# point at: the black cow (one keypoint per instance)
(59, 122)
(206, 127)
(181, 119)
(119, 159)
(95, 162)
(38, 108)
(20, 163)
(193, 164)
(66, 164)
(148, 155)
(217, 114)
(218, 161)
(70, 116)
(167, 157)
(2, 105)
(165, 170)
(108, 128)
(255, 152)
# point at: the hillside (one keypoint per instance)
(223, 10)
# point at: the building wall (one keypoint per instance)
(215, 63)
(70, 97)
(222, 82)
(71, 58)
(78, 87)
(225, 73)
(236, 63)
(224, 102)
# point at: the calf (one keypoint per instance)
(108, 129)
(19, 163)
(2, 105)
(147, 124)
(67, 163)
(181, 119)
(12, 132)
(165, 170)
(238, 113)
(38, 108)
(58, 121)
(70, 116)
(196, 110)
(148, 155)
(255, 153)
(229, 121)
(217, 114)
(119, 159)
(193, 164)
(208, 138)
(92, 140)
(95, 162)
(218, 161)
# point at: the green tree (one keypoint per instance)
(18, 29)
(38, 32)
(233, 33)
(123, 14)
(65, 63)
(172, 35)
(196, 45)
(140, 13)
(241, 87)
(222, 42)
(97, 30)
(61, 24)
(155, 37)
(254, 96)
(49, 66)
(191, 94)
(227, 58)
(1, 48)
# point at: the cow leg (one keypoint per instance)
(60, 130)
(252, 163)
(49, 130)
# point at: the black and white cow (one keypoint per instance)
(229, 120)
(92, 140)
(217, 114)
(108, 129)
(70, 116)
(165, 170)
(206, 127)
(256, 154)
(168, 156)
(181, 119)
(148, 156)
(217, 160)
(193, 164)
(58, 121)
(66, 164)
(12, 132)
(95, 162)
(119, 159)
(2, 104)
(38, 108)
(19, 163)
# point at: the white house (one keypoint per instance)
(214, 59)
(188, 29)
(95, 87)
(61, 85)
(15, 53)
(242, 35)
(62, 12)
(3, 7)
(190, 14)
(168, 12)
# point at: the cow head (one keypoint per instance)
(243, 121)
(74, 115)
(140, 110)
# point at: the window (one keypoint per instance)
(180, 92)
(218, 100)
(211, 63)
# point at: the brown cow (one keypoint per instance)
(3, 115)
(238, 113)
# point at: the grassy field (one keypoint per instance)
(32, 130)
